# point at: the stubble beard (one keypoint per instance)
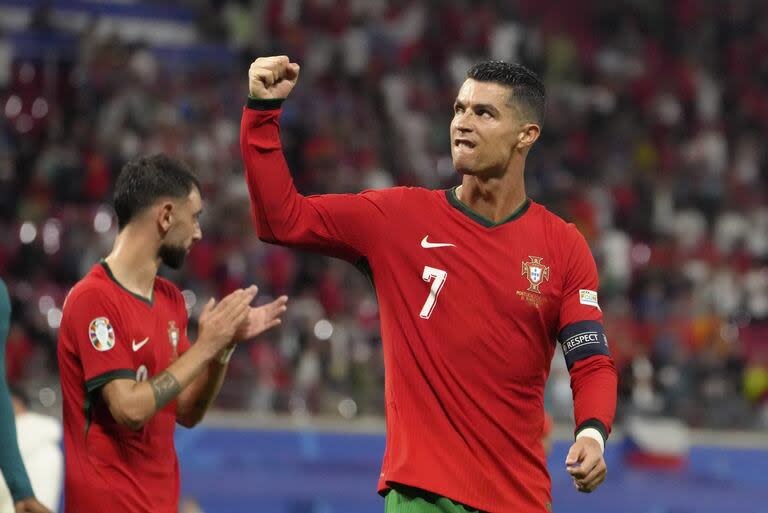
(172, 255)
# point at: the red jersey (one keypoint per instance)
(470, 312)
(106, 333)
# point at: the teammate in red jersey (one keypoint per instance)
(128, 371)
(475, 285)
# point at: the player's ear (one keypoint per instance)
(165, 214)
(528, 135)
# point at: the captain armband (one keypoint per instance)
(581, 340)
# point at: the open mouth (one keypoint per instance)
(463, 143)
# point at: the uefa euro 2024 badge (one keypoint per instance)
(101, 334)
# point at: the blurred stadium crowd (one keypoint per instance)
(653, 145)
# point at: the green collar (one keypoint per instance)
(450, 195)
(149, 301)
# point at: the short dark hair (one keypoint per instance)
(144, 180)
(527, 88)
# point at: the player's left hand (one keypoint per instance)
(586, 465)
(30, 505)
(260, 319)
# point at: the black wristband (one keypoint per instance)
(264, 103)
(596, 424)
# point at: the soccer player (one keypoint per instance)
(11, 464)
(475, 284)
(128, 371)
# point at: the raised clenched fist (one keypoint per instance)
(272, 77)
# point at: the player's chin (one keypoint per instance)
(469, 170)
(464, 165)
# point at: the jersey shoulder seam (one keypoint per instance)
(86, 289)
(87, 286)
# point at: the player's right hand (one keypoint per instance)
(586, 465)
(272, 77)
(219, 321)
(30, 505)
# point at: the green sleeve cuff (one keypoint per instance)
(94, 384)
(104, 378)
(264, 104)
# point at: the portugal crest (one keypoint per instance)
(173, 337)
(536, 272)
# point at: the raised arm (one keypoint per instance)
(340, 225)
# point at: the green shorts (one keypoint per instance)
(406, 499)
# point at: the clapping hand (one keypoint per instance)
(261, 319)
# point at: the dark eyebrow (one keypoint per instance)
(478, 106)
(486, 106)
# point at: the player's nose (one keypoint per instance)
(462, 125)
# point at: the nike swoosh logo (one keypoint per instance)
(136, 346)
(427, 245)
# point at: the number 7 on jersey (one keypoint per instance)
(439, 276)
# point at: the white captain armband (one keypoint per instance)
(581, 340)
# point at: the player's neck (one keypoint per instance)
(495, 199)
(132, 265)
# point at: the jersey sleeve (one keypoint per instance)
(584, 342)
(340, 225)
(96, 331)
(580, 327)
(581, 282)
